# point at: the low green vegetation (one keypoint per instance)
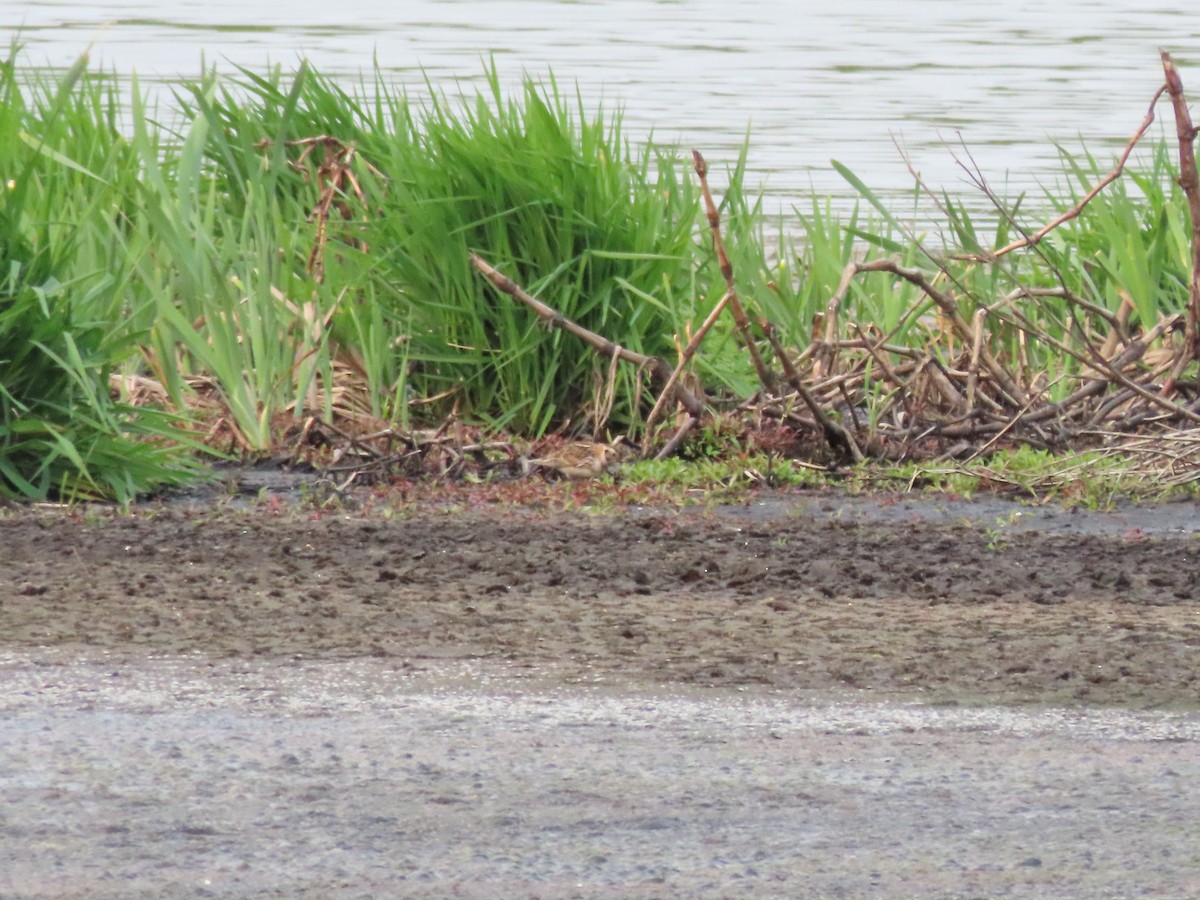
(67, 311)
(280, 249)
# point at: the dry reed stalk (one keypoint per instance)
(1073, 212)
(1189, 180)
(977, 395)
(838, 438)
(335, 181)
(741, 321)
(684, 358)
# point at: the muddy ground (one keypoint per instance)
(804, 695)
(807, 593)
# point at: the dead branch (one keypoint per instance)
(735, 305)
(676, 440)
(965, 391)
(684, 358)
(1190, 182)
(837, 437)
(949, 309)
(1073, 212)
(601, 345)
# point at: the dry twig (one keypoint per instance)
(1190, 182)
(1073, 212)
(601, 345)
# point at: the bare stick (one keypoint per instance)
(673, 444)
(735, 305)
(838, 438)
(601, 344)
(827, 352)
(1074, 211)
(685, 357)
(976, 348)
(1190, 182)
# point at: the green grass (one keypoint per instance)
(66, 318)
(544, 189)
(192, 241)
(190, 250)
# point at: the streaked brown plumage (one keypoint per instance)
(580, 459)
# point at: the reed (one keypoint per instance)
(551, 192)
(67, 321)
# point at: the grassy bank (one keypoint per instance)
(286, 258)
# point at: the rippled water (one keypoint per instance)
(813, 81)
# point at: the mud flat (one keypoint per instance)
(802, 696)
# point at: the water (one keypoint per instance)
(813, 81)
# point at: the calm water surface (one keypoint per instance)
(812, 81)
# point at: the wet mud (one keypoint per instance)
(807, 593)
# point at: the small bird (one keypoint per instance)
(580, 459)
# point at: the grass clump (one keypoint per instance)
(64, 313)
(290, 247)
(549, 192)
